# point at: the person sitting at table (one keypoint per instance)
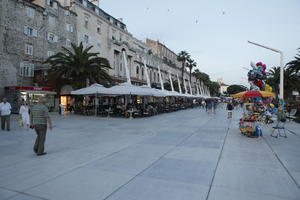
(119, 109)
(128, 108)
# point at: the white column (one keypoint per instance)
(191, 92)
(179, 86)
(171, 82)
(202, 89)
(184, 84)
(146, 72)
(126, 68)
(197, 89)
(160, 79)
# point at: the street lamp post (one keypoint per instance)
(281, 90)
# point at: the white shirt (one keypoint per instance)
(24, 110)
(5, 108)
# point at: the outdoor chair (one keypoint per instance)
(291, 115)
(137, 113)
(280, 125)
(166, 109)
(146, 113)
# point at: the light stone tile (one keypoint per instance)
(196, 154)
(155, 189)
(5, 194)
(246, 178)
(185, 171)
(83, 183)
(218, 193)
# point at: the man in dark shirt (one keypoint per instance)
(229, 109)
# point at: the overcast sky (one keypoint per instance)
(215, 32)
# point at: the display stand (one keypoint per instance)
(250, 122)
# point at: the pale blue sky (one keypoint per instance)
(215, 32)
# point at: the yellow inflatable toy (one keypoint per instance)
(268, 88)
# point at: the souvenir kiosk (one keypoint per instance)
(256, 102)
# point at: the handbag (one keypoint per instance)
(21, 122)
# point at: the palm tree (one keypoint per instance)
(183, 57)
(294, 65)
(79, 66)
(191, 64)
(291, 80)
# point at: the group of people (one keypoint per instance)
(210, 105)
(36, 118)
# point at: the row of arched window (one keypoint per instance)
(153, 76)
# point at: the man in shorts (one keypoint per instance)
(229, 110)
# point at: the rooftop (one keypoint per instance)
(89, 5)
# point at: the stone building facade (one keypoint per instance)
(31, 31)
(58, 23)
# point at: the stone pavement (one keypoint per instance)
(186, 155)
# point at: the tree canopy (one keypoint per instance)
(233, 89)
(79, 66)
(291, 80)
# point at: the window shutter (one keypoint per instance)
(31, 50)
(84, 3)
(25, 68)
(72, 29)
(31, 71)
(34, 33)
(83, 38)
(55, 38)
(54, 5)
(25, 30)
(21, 70)
(67, 27)
(48, 36)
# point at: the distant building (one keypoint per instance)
(169, 63)
(223, 87)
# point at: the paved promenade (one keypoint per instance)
(185, 155)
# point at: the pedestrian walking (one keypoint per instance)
(24, 115)
(5, 111)
(229, 110)
(206, 105)
(203, 104)
(215, 104)
(210, 106)
(194, 103)
(39, 117)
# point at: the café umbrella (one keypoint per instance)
(253, 93)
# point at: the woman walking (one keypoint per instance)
(24, 115)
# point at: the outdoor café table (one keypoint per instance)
(130, 112)
(109, 111)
